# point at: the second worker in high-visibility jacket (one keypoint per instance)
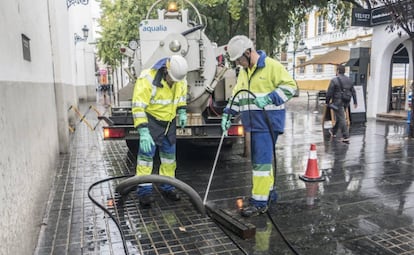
(273, 86)
(159, 96)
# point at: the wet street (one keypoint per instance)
(364, 206)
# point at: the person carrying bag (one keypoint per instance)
(338, 97)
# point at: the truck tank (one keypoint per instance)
(166, 32)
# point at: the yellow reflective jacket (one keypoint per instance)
(152, 95)
(267, 77)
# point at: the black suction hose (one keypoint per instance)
(269, 125)
(125, 187)
(241, 249)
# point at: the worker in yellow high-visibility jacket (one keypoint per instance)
(159, 95)
(273, 86)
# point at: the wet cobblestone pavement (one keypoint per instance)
(365, 205)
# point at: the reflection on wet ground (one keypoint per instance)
(365, 205)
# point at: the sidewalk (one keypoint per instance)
(365, 205)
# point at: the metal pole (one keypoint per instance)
(214, 168)
(122, 78)
(295, 47)
(294, 63)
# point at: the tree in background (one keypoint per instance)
(119, 24)
(224, 19)
(402, 14)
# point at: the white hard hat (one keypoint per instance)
(238, 45)
(177, 67)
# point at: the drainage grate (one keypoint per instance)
(165, 228)
(399, 241)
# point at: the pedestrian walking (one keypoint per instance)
(340, 91)
(159, 95)
(273, 86)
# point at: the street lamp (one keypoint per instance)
(307, 51)
(298, 46)
(295, 47)
(78, 38)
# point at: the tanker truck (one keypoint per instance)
(210, 78)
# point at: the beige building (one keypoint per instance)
(311, 59)
(320, 43)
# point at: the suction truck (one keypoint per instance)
(166, 32)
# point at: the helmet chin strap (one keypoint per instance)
(247, 57)
(167, 78)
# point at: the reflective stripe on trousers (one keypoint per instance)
(168, 165)
(262, 156)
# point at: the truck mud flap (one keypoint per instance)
(106, 119)
(130, 184)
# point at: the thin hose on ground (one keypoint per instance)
(293, 249)
(107, 211)
(269, 125)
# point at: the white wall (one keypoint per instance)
(83, 51)
(383, 46)
(28, 153)
(34, 99)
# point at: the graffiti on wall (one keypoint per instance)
(69, 3)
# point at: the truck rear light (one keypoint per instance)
(113, 133)
(236, 131)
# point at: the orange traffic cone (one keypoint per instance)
(312, 170)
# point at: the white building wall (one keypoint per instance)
(35, 96)
(83, 51)
(383, 46)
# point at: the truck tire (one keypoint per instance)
(133, 147)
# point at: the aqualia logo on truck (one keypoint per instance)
(148, 28)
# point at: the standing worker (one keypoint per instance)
(340, 91)
(159, 95)
(273, 86)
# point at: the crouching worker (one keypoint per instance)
(159, 95)
(273, 86)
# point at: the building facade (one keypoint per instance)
(311, 59)
(317, 39)
(45, 72)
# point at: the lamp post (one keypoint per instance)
(85, 32)
(77, 38)
(297, 46)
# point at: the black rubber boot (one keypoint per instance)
(252, 210)
(171, 195)
(146, 200)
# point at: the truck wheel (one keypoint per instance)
(234, 148)
(133, 147)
